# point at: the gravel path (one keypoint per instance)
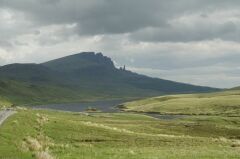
(4, 114)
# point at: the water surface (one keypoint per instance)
(108, 106)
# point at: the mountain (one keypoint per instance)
(83, 76)
(100, 69)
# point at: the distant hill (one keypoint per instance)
(83, 76)
(236, 88)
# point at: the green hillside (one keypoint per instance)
(222, 103)
(25, 93)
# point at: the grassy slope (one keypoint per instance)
(25, 93)
(4, 103)
(118, 136)
(21, 93)
(222, 103)
(235, 88)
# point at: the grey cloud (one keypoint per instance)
(19, 43)
(5, 44)
(94, 17)
(196, 32)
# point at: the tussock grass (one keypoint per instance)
(44, 155)
(40, 144)
(236, 143)
(32, 144)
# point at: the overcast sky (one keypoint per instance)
(194, 41)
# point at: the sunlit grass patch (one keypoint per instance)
(223, 103)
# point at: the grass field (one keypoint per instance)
(222, 103)
(50, 134)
